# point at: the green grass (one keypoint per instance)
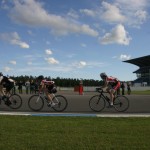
(74, 133)
(146, 92)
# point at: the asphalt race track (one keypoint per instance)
(80, 104)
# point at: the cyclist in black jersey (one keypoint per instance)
(8, 84)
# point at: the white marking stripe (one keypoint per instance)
(74, 114)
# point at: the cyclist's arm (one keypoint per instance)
(105, 84)
(41, 87)
(2, 90)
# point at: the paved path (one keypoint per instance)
(79, 104)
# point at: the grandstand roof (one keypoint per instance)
(141, 61)
(142, 69)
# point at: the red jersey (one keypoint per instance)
(112, 80)
(47, 82)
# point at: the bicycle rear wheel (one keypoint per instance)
(97, 103)
(61, 103)
(36, 103)
(121, 103)
(16, 101)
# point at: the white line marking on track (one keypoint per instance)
(74, 114)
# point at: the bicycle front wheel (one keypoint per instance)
(16, 101)
(97, 103)
(36, 103)
(121, 103)
(61, 103)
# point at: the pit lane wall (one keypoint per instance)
(91, 88)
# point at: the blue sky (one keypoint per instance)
(73, 39)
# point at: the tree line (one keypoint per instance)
(62, 82)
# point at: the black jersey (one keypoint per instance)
(5, 80)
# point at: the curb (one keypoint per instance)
(75, 114)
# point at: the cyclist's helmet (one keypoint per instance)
(40, 78)
(1, 74)
(103, 75)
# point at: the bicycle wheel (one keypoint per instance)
(61, 103)
(121, 103)
(16, 101)
(36, 103)
(97, 103)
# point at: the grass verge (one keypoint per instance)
(147, 92)
(73, 133)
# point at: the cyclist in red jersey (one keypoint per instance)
(112, 85)
(48, 87)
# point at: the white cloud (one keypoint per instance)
(32, 13)
(14, 39)
(13, 62)
(128, 12)
(79, 64)
(136, 12)
(132, 4)
(73, 14)
(82, 63)
(112, 13)
(124, 57)
(7, 69)
(52, 60)
(88, 12)
(48, 52)
(118, 35)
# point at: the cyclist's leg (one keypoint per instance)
(2, 93)
(113, 91)
(49, 97)
(8, 89)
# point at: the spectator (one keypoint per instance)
(36, 87)
(32, 87)
(27, 85)
(128, 88)
(20, 84)
(123, 88)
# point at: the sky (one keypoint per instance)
(73, 38)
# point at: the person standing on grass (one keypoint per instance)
(32, 87)
(123, 88)
(128, 88)
(20, 84)
(27, 85)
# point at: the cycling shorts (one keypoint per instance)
(114, 86)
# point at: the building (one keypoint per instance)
(143, 73)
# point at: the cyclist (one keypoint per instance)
(48, 87)
(112, 85)
(8, 84)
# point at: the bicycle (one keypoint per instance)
(15, 101)
(98, 102)
(36, 102)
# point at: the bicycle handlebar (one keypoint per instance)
(100, 90)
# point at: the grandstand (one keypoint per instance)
(143, 73)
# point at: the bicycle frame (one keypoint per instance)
(102, 95)
(52, 98)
